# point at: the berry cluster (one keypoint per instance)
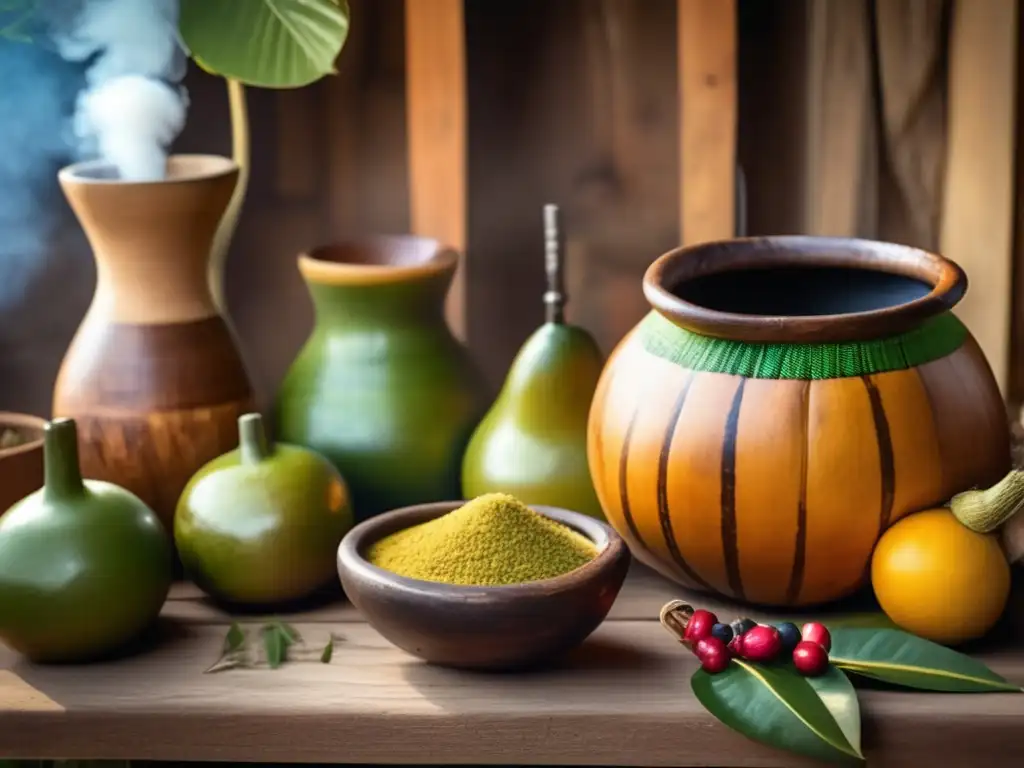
(716, 643)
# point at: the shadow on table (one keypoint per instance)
(50, 679)
(454, 689)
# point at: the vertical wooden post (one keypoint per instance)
(707, 119)
(435, 62)
(978, 205)
(840, 187)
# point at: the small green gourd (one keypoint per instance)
(532, 443)
(261, 524)
(85, 565)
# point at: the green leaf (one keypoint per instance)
(289, 632)
(265, 43)
(777, 706)
(234, 640)
(898, 658)
(840, 698)
(276, 644)
(325, 657)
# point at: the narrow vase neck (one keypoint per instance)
(152, 240)
(62, 474)
(393, 303)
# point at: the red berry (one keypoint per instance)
(736, 646)
(816, 633)
(713, 655)
(761, 643)
(810, 658)
(699, 626)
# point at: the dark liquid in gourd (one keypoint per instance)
(800, 291)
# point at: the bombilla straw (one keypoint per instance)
(554, 249)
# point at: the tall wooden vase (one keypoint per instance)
(152, 377)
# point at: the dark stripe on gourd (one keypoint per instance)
(730, 545)
(885, 453)
(624, 476)
(664, 516)
(943, 451)
(796, 579)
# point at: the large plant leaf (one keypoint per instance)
(898, 658)
(265, 43)
(779, 707)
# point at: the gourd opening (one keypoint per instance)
(794, 289)
(800, 291)
(178, 168)
(380, 259)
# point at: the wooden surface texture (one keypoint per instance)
(622, 698)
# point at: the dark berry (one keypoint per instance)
(817, 633)
(723, 632)
(790, 635)
(810, 658)
(742, 625)
(713, 655)
(699, 626)
(762, 643)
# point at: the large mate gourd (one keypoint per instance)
(85, 566)
(532, 443)
(787, 399)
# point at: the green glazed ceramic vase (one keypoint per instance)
(382, 387)
(85, 565)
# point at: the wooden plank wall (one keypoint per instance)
(708, 56)
(574, 102)
(436, 107)
(978, 210)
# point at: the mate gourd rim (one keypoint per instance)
(802, 307)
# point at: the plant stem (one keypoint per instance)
(240, 153)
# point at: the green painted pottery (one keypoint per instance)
(382, 387)
(262, 523)
(85, 566)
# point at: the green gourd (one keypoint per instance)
(532, 443)
(261, 524)
(85, 566)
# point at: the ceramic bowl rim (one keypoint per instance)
(22, 421)
(443, 261)
(608, 542)
(216, 166)
(946, 278)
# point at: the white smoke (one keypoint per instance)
(133, 105)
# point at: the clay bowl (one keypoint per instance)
(483, 628)
(21, 467)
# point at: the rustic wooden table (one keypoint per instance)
(622, 699)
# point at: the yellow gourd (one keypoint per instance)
(937, 578)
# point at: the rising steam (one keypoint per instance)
(88, 78)
(133, 106)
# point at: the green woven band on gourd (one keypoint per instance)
(935, 338)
